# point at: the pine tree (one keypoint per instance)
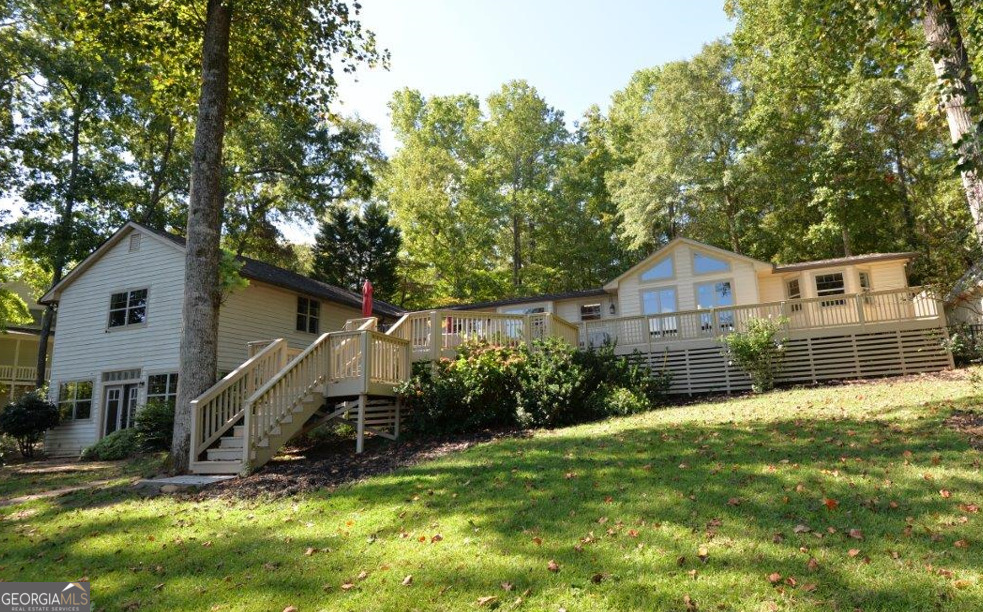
(337, 249)
(381, 242)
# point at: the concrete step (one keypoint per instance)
(224, 454)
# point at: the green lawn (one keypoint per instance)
(853, 497)
(29, 478)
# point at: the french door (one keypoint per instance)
(121, 406)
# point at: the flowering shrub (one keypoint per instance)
(759, 351)
(554, 384)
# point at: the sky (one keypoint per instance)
(575, 52)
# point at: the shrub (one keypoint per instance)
(120, 444)
(551, 385)
(621, 401)
(966, 345)
(27, 419)
(759, 351)
(154, 424)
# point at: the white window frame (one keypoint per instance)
(74, 401)
(797, 306)
(831, 295)
(672, 271)
(592, 306)
(166, 396)
(126, 310)
(726, 270)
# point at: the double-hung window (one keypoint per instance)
(128, 308)
(75, 399)
(794, 292)
(590, 312)
(162, 388)
(308, 315)
(830, 284)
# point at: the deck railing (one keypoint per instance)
(215, 411)
(17, 374)
(433, 334)
(854, 309)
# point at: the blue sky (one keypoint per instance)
(575, 52)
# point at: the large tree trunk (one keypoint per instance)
(959, 98)
(202, 293)
(62, 236)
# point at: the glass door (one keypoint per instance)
(121, 407)
(660, 301)
(716, 295)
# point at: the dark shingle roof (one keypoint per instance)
(262, 272)
(550, 297)
(839, 261)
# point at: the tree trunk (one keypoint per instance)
(911, 239)
(202, 293)
(516, 251)
(62, 236)
(960, 98)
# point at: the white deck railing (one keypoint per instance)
(17, 374)
(433, 334)
(855, 309)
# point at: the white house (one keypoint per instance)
(119, 321)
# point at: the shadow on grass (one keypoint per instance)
(635, 518)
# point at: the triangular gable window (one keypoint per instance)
(704, 264)
(660, 271)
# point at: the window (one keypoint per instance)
(794, 292)
(128, 308)
(865, 282)
(590, 312)
(121, 375)
(162, 387)
(660, 271)
(704, 264)
(830, 284)
(715, 295)
(75, 399)
(308, 315)
(660, 301)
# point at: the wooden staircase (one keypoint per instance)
(350, 375)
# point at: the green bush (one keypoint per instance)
(154, 424)
(27, 419)
(966, 346)
(121, 444)
(551, 385)
(759, 351)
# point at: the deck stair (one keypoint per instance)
(349, 376)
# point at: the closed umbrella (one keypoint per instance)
(367, 299)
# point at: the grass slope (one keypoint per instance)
(745, 504)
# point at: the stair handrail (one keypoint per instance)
(397, 325)
(273, 356)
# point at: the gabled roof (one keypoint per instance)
(612, 284)
(844, 261)
(548, 297)
(252, 269)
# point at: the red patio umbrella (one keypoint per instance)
(367, 299)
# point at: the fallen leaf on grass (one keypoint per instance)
(830, 504)
(290, 609)
(690, 603)
(597, 578)
(487, 601)
(961, 544)
(809, 587)
(507, 586)
(538, 541)
(856, 534)
(813, 565)
(347, 586)
(969, 508)
(734, 501)
(553, 566)
(945, 493)
(310, 551)
(774, 577)
(962, 584)
(436, 538)
(408, 581)
(853, 552)
(801, 529)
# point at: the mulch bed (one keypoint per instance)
(330, 464)
(969, 423)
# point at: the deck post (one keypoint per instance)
(360, 427)
(366, 360)
(436, 338)
(860, 310)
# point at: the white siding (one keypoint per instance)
(570, 309)
(263, 312)
(84, 347)
(743, 277)
(888, 275)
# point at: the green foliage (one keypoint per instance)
(351, 248)
(491, 387)
(27, 419)
(121, 444)
(154, 425)
(759, 350)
